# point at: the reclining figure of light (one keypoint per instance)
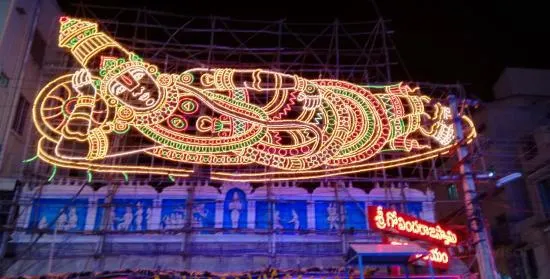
(118, 109)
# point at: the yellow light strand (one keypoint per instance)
(339, 130)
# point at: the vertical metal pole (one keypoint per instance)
(401, 186)
(341, 216)
(484, 253)
(406, 270)
(431, 269)
(211, 46)
(336, 26)
(52, 248)
(361, 274)
(188, 228)
(279, 44)
(105, 223)
(271, 222)
(386, 53)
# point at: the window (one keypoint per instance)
(544, 194)
(4, 80)
(38, 48)
(532, 268)
(20, 10)
(452, 192)
(501, 219)
(20, 117)
(530, 149)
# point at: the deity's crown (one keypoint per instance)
(74, 30)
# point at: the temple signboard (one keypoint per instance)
(391, 221)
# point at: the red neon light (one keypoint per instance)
(391, 221)
(438, 257)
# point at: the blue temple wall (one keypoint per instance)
(288, 216)
(129, 214)
(173, 212)
(412, 208)
(305, 233)
(294, 211)
(204, 212)
(325, 221)
(355, 215)
(72, 218)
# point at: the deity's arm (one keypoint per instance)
(78, 139)
(79, 120)
(256, 80)
(229, 79)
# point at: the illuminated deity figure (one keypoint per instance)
(235, 206)
(141, 216)
(126, 220)
(333, 218)
(43, 223)
(200, 215)
(277, 220)
(61, 220)
(119, 109)
(295, 220)
(73, 219)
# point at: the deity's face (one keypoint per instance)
(136, 88)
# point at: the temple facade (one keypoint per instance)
(192, 225)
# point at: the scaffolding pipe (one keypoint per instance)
(484, 253)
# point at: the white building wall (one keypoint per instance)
(24, 18)
(521, 106)
(522, 81)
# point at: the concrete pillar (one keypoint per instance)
(251, 222)
(219, 214)
(156, 214)
(311, 214)
(91, 213)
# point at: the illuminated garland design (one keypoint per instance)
(301, 129)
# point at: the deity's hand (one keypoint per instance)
(78, 126)
(310, 101)
(81, 79)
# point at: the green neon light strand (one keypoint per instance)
(54, 171)
(171, 178)
(89, 173)
(125, 176)
(30, 159)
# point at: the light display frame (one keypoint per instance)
(340, 127)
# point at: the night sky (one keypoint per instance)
(440, 41)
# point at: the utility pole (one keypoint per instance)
(484, 253)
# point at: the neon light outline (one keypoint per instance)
(339, 129)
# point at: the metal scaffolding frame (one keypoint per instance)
(359, 52)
